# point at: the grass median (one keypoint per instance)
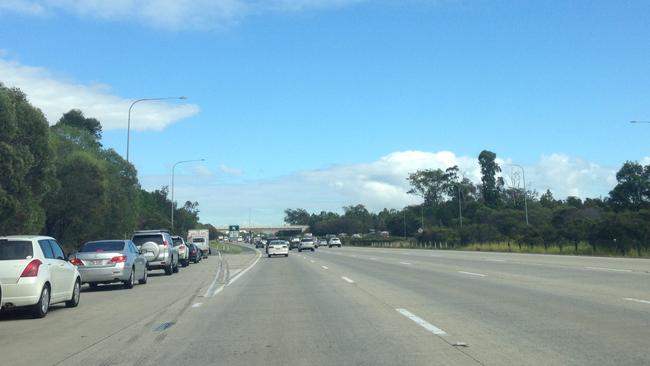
(226, 248)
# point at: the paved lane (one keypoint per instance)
(356, 306)
(549, 311)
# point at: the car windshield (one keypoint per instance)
(198, 240)
(102, 246)
(15, 249)
(141, 239)
(177, 241)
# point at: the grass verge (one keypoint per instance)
(226, 248)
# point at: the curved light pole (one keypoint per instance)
(174, 167)
(523, 174)
(128, 127)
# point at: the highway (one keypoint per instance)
(355, 306)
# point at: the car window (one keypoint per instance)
(141, 239)
(133, 248)
(102, 246)
(46, 248)
(15, 249)
(177, 241)
(56, 250)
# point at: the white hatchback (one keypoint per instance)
(34, 273)
(278, 247)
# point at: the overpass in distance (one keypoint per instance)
(271, 229)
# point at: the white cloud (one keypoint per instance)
(21, 6)
(230, 171)
(169, 14)
(56, 95)
(378, 184)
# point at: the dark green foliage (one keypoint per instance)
(59, 181)
(25, 164)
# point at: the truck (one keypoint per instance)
(200, 238)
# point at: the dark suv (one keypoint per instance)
(158, 247)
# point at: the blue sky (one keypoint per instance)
(325, 103)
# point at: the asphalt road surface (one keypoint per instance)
(355, 306)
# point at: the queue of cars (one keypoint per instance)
(277, 246)
(35, 273)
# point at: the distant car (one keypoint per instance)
(35, 274)
(322, 243)
(294, 244)
(240, 239)
(278, 247)
(157, 246)
(109, 261)
(183, 253)
(194, 253)
(259, 244)
(306, 244)
(334, 242)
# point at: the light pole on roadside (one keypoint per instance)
(523, 175)
(174, 167)
(128, 126)
(460, 206)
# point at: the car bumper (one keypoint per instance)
(24, 293)
(104, 274)
(279, 252)
(158, 264)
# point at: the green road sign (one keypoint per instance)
(233, 228)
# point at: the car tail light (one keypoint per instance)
(165, 243)
(76, 261)
(118, 259)
(32, 269)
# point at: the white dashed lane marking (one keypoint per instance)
(472, 274)
(347, 279)
(421, 322)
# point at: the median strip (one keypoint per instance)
(421, 322)
(472, 274)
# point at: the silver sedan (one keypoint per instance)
(109, 261)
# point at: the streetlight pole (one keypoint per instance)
(523, 174)
(460, 207)
(128, 127)
(174, 167)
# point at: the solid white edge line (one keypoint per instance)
(472, 274)
(610, 269)
(347, 279)
(242, 272)
(421, 322)
(636, 300)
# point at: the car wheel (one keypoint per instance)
(300, 250)
(269, 255)
(131, 281)
(175, 268)
(312, 249)
(43, 305)
(168, 270)
(144, 278)
(76, 295)
(286, 255)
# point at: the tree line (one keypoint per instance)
(60, 181)
(459, 213)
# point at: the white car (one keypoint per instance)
(306, 244)
(334, 242)
(34, 273)
(278, 247)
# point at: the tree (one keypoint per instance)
(77, 211)
(298, 216)
(547, 200)
(76, 118)
(433, 185)
(489, 170)
(632, 191)
(25, 164)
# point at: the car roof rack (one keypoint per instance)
(151, 231)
